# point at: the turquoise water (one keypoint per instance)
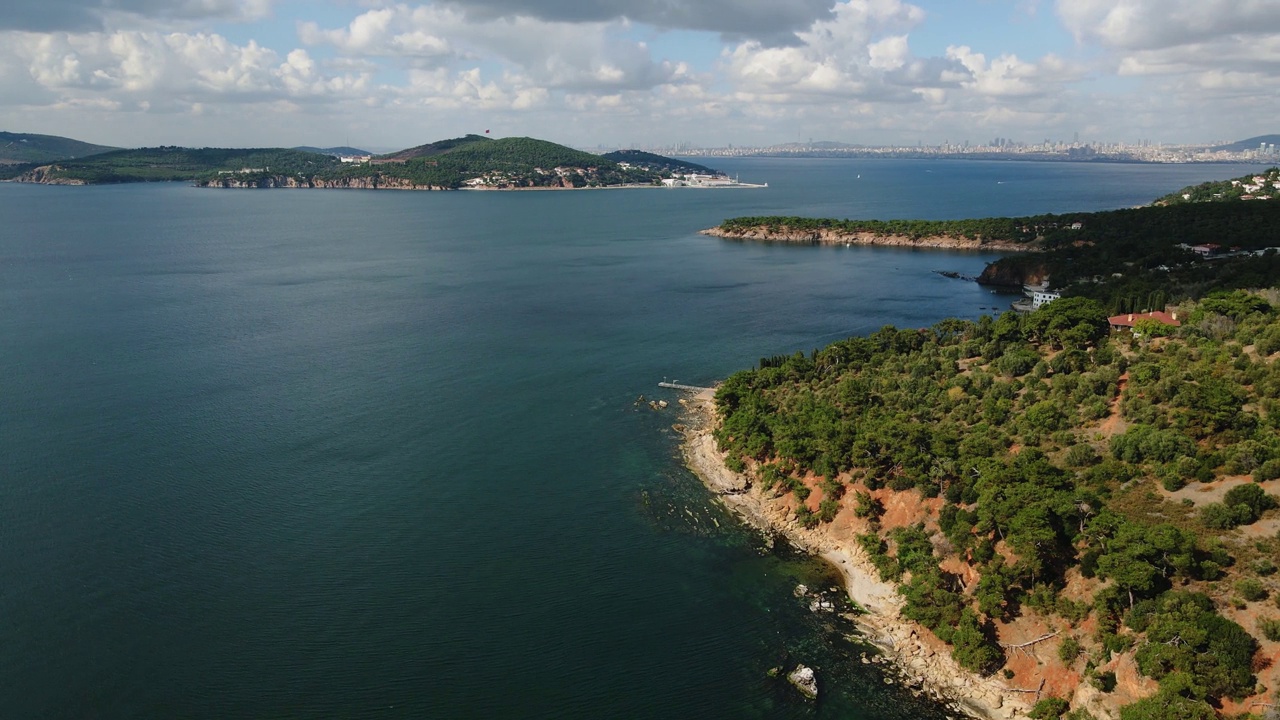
(377, 454)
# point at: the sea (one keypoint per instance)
(360, 454)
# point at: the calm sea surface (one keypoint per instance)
(377, 454)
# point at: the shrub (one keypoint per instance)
(1048, 709)
(866, 506)
(973, 646)
(1251, 589)
(1221, 517)
(1172, 481)
(1251, 496)
(1269, 470)
(1081, 455)
(1106, 682)
(1270, 628)
(1069, 650)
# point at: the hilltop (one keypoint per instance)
(1249, 144)
(657, 163)
(18, 148)
(341, 151)
(471, 161)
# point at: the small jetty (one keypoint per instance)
(678, 386)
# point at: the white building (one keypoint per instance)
(1040, 298)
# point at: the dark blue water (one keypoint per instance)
(376, 454)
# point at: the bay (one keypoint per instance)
(378, 454)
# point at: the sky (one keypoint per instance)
(384, 75)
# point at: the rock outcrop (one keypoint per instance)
(46, 175)
(1012, 274)
(805, 680)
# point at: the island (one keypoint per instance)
(1069, 512)
(473, 162)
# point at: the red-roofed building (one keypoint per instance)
(1123, 322)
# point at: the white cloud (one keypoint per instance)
(1151, 24)
(553, 55)
(167, 69)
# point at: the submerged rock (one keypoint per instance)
(805, 681)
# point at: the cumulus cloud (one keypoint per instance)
(553, 55)
(158, 71)
(88, 15)
(769, 21)
(1153, 24)
(1187, 50)
(841, 56)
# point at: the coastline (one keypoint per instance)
(835, 237)
(913, 649)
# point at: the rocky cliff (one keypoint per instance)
(1011, 274)
(46, 175)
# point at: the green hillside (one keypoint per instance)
(177, 163)
(29, 148)
(657, 163)
(1261, 185)
(1088, 481)
(470, 161)
(438, 147)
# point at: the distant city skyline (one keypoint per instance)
(705, 73)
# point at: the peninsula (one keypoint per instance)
(1039, 513)
(990, 234)
(1072, 512)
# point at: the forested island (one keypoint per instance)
(1058, 513)
(473, 161)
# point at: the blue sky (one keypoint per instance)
(386, 74)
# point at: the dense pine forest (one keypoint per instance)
(1069, 467)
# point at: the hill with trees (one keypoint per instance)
(470, 161)
(1264, 185)
(1111, 496)
(22, 148)
(339, 151)
(658, 163)
(171, 163)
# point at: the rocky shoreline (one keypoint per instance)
(828, 236)
(920, 656)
